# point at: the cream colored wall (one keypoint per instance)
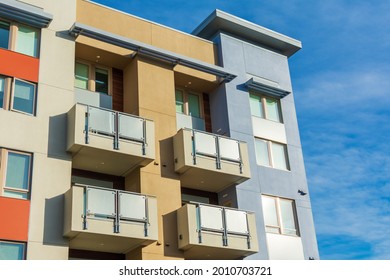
(154, 86)
(44, 135)
(269, 130)
(284, 247)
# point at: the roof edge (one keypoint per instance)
(219, 21)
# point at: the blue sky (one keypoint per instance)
(341, 82)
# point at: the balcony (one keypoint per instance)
(108, 220)
(107, 141)
(216, 232)
(209, 162)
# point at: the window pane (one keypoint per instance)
(288, 218)
(11, 251)
(179, 101)
(270, 214)
(2, 82)
(279, 156)
(273, 110)
(15, 194)
(27, 41)
(101, 81)
(262, 154)
(256, 106)
(18, 170)
(81, 76)
(193, 105)
(24, 94)
(4, 35)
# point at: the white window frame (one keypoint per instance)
(13, 95)
(281, 228)
(271, 156)
(186, 104)
(3, 173)
(263, 99)
(91, 83)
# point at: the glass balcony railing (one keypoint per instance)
(115, 206)
(114, 124)
(107, 141)
(201, 158)
(118, 219)
(231, 232)
(217, 147)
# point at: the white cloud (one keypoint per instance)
(345, 130)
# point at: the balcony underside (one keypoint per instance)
(105, 161)
(106, 243)
(208, 180)
(200, 252)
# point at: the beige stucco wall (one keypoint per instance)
(44, 135)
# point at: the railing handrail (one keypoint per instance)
(220, 206)
(213, 134)
(109, 189)
(113, 111)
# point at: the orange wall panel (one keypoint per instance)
(18, 65)
(14, 216)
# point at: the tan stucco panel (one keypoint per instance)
(144, 31)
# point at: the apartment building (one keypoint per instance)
(125, 139)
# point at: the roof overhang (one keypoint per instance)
(150, 51)
(258, 86)
(24, 13)
(223, 22)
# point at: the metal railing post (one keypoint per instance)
(116, 132)
(85, 225)
(218, 158)
(144, 137)
(87, 125)
(146, 224)
(199, 223)
(224, 234)
(193, 147)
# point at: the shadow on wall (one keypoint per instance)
(166, 159)
(54, 221)
(57, 137)
(170, 236)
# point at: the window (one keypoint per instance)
(4, 34)
(16, 170)
(17, 95)
(81, 75)
(265, 107)
(101, 80)
(188, 103)
(272, 154)
(23, 97)
(24, 39)
(12, 250)
(179, 102)
(92, 77)
(27, 41)
(279, 215)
